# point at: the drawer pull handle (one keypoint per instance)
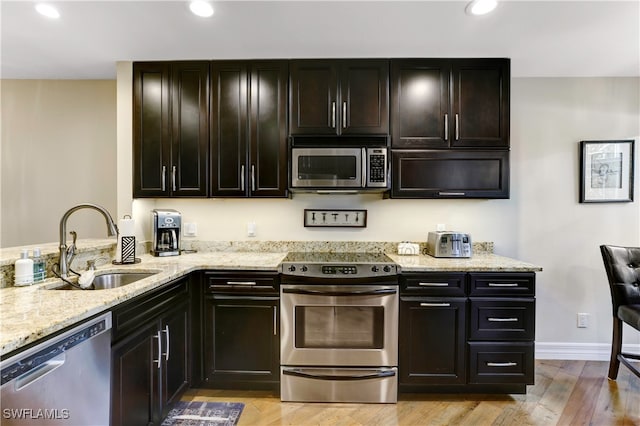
(451, 194)
(241, 283)
(430, 305)
(501, 364)
(434, 284)
(503, 284)
(490, 319)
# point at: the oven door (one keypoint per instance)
(339, 325)
(327, 168)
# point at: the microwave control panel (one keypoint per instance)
(377, 167)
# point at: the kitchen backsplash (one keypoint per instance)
(104, 250)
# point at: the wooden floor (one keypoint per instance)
(565, 393)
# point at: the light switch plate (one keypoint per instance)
(319, 218)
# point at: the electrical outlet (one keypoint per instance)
(583, 320)
(251, 229)
(440, 227)
(190, 229)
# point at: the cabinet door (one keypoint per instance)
(242, 348)
(480, 103)
(151, 135)
(268, 129)
(228, 129)
(190, 129)
(432, 332)
(364, 97)
(136, 371)
(449, 174)
(314, 92)
(175, 326)
(420, 103)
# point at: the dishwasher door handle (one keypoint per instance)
(42, 370)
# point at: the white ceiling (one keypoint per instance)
(543, 38)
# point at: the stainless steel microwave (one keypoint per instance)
(331, 168)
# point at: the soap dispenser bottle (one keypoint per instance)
(24, 269)
(39, 266)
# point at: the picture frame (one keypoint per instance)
(606, 171)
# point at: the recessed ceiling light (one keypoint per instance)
(201, 8)
(47, 10)
(480, 7)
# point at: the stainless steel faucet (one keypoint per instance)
(66, 253)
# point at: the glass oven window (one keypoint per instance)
(339, 327)
(327, 167)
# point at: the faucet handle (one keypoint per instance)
(91, 264)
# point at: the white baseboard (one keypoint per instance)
(579, 351)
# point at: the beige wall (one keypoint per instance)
(549, 118)
(542, 222)
(58, 150)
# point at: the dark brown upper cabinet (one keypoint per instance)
(170, 129)
(339, 97)
(450, 103)
(249, 128)
(418, 173)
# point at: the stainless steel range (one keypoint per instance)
(339, 336)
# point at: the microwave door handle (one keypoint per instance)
(364, 168)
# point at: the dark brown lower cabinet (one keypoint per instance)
(449, 174)
(467, 332)
(432, 341)
(241, 331)
(150, 355)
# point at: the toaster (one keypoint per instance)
(449, 244)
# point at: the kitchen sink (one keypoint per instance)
(110, 280)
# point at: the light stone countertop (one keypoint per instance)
(28, 314)
(485, 262)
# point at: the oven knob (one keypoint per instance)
(292, 268)
(304, 269)
(374, 269)
(386, 269)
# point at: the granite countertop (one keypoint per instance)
(28, 314)
(485, 262)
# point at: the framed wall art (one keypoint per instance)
(606, 171)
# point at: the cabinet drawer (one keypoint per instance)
(502, 319)
(502, 284)
(434, 284)
(133, 314)
(241, 283)
(501, 363)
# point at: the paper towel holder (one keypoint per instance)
(127, 246)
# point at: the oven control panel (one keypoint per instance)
(339, 269)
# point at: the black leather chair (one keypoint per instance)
(623, 271)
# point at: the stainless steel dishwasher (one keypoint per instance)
(64, 380)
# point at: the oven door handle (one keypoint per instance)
(377, 375)
(376, 292)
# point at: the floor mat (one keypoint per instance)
(204, 414)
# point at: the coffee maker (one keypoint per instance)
(166, 232)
